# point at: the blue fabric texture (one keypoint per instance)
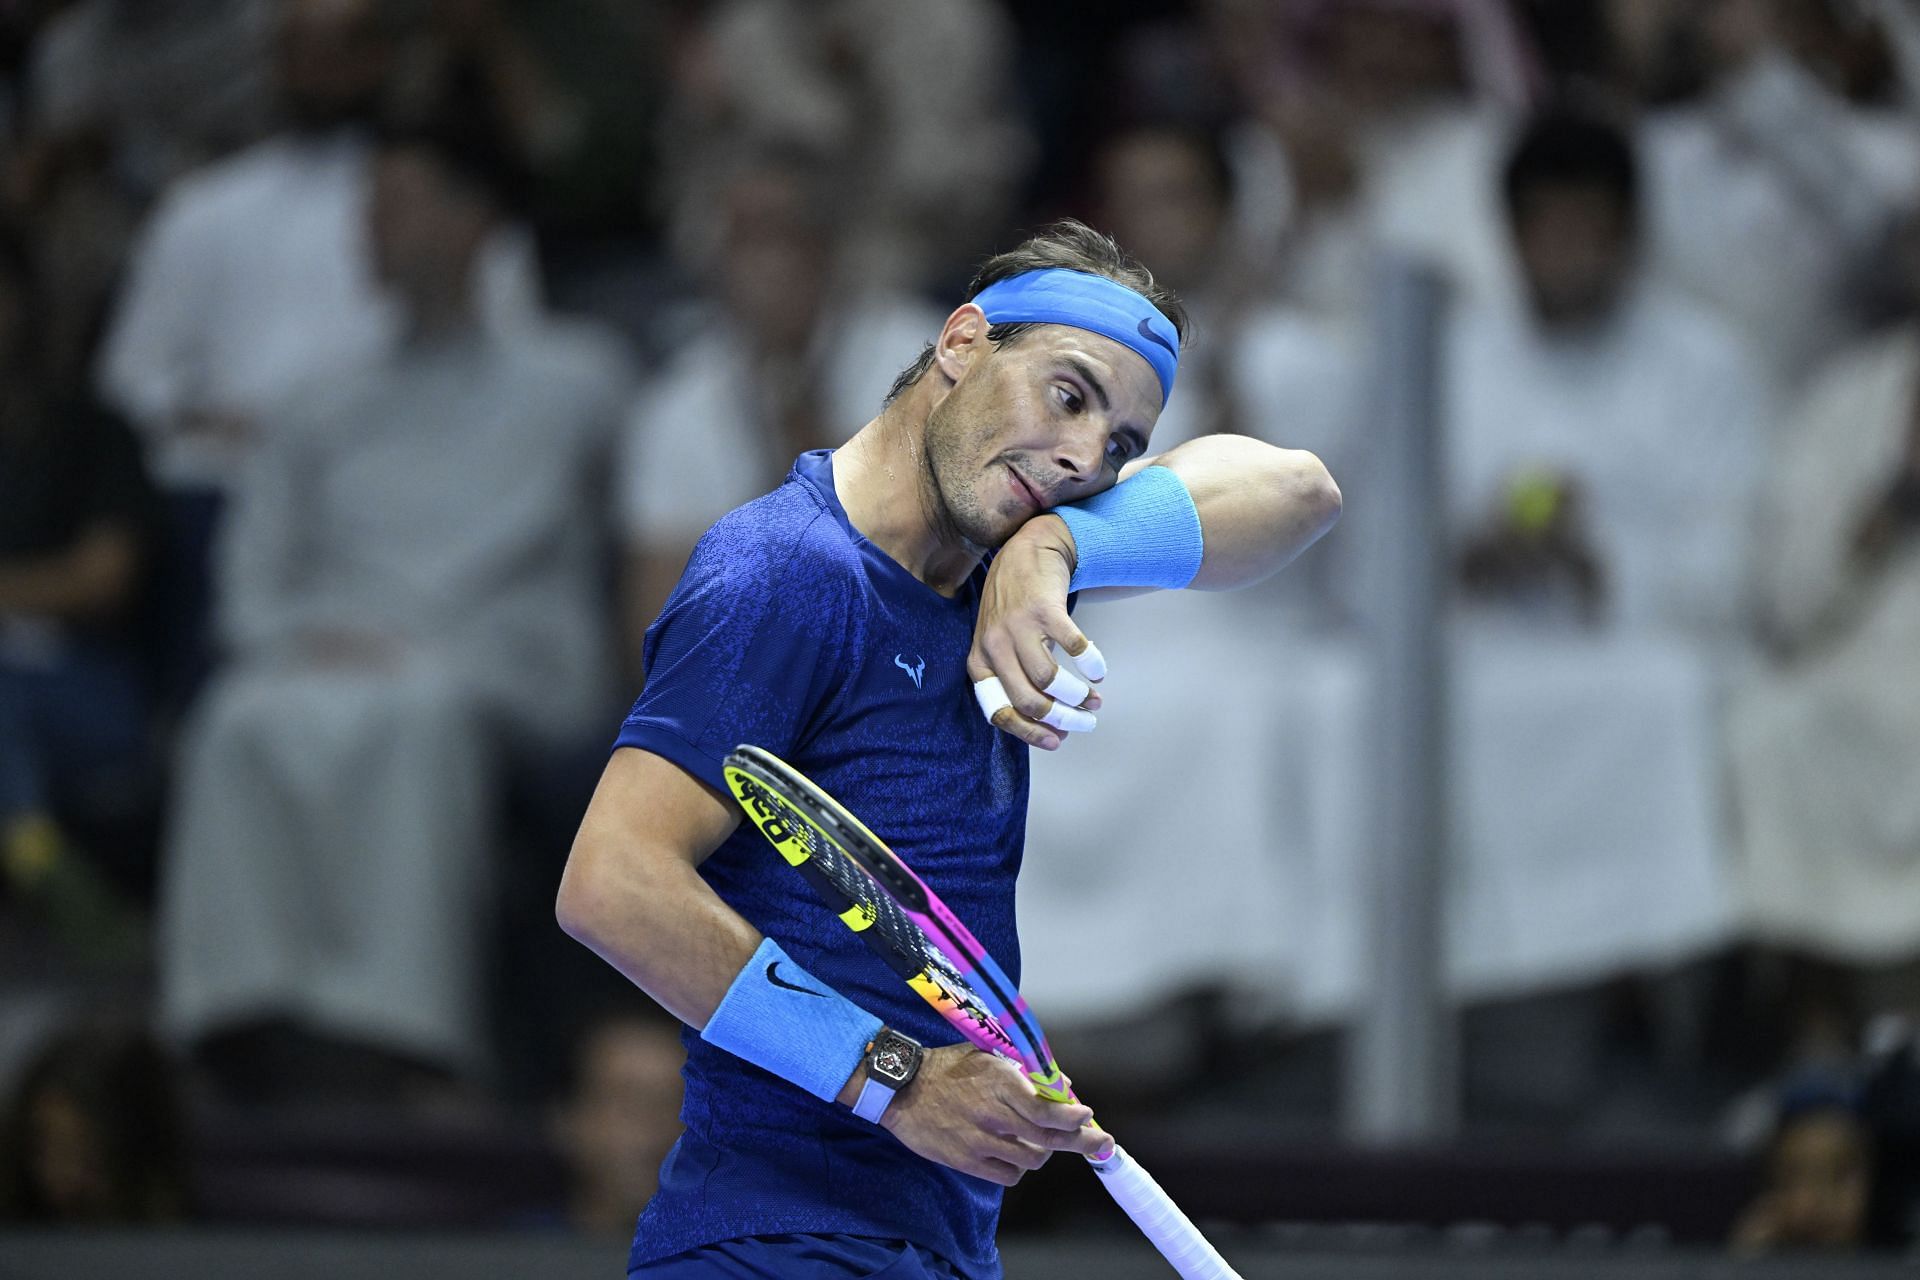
(1143, 532)
(790, 631)
(76, 724)
(802, 1257)
(782, 1019)
(1094, 303)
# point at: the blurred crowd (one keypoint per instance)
(369, 369)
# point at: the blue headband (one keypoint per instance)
(1093, 303)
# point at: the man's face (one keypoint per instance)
(1047, 418)
(1575, 244)
(774, 265)
(426, 225)
(1163, 201)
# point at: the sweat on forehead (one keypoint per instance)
(1091, 302)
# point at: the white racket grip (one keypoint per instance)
(1160, 1219)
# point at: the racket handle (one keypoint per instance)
(1160, 1219)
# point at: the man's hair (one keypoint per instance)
(1073, 246)
(1569, 145)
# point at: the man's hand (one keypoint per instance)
(1023, 607)
(1535, 541)
(978, 1113)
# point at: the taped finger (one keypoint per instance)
(1069, 719)
(1067, 687)
(1090, 663)
(992, 697)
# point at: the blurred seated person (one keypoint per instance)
(1817, 1176)
(254, 274)
(96, 1133)
(77, 526)
(790, 353)
(1604, 435)
(413, 585)
(1825, 740)
(620, 1119)
(1772, 189)
(1603, 440)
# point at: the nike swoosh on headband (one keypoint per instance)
(1146, 331)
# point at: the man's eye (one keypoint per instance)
(1119, 452)
(1069, 400)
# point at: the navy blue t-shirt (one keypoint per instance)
(789, 630)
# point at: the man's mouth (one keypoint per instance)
(1024, 490)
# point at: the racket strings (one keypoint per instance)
(859, 887)
(808, 826)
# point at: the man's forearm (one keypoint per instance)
(659, 923)
(1260, 505)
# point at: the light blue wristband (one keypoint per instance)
(779, 1017)
(1144, 532)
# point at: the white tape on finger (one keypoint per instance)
(1091, 664)
(1069, 719)
(992, 696)
(1067, 687)
(993, 699)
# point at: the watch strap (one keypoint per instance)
(875, 1096)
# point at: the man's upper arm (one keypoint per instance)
(647, 815)
(647, 802)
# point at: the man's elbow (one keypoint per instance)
(584, 905)
(1311, 490)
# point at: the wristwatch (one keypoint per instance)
(892, 1062)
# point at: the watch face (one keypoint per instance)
(895, 1058)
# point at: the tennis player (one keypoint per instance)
(885, 620)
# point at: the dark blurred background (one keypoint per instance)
(1526, 881)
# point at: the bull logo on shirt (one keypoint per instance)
(915, 672)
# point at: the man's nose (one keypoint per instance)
(1079, 451)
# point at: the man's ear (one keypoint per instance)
(962, 341)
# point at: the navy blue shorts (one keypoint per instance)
(802, 1258)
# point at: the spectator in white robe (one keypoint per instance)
(790, 350)
(1597, 371)
(1773, 164)
(1825, 742)
(254, 274)
(414, 586)
(1603, 441)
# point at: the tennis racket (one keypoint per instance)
(880, 898)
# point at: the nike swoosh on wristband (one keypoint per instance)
(1146, 331)
(774, 978)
